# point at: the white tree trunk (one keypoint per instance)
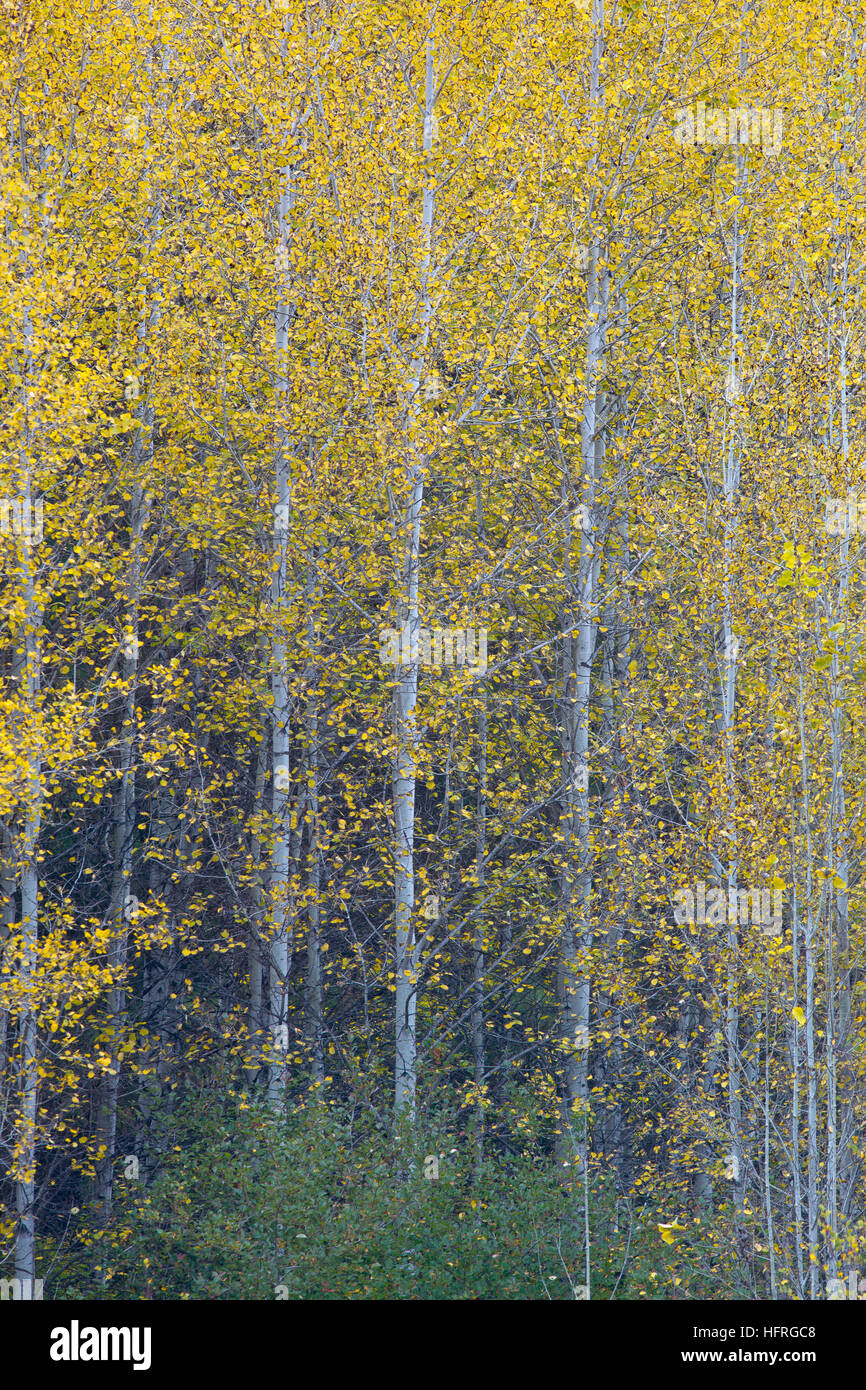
(477, 1009)
(578, 647)
(730, 492)
(811, 1072)
(281, 907)
(26, 663)
(406, 696)
(314, 1001)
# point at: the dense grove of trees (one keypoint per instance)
(432, 600)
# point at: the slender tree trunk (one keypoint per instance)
(314, 1002)
(577, 650)
(9, 890)
(25, 1148)
(256, 959)
(794, 1046)
(281, 907)
(768, 1191)
(406, 730)
(811, 1072)
(730, 494)
(27, 671)
(477, 1012)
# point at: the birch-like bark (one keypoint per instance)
(26, 668)
(794, 1048)
(811, 1073)
(477, 1010)
(9, 890)
(26, 664)
(25, 1148)
(314, 1000)
(730, 491)
(281, 906)
(406, 695)
(256, 959)
(579, 625)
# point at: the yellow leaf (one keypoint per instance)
(798, 1015)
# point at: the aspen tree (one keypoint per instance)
(578, 647)
(406, 692)
(281, 906)
(26, 624)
